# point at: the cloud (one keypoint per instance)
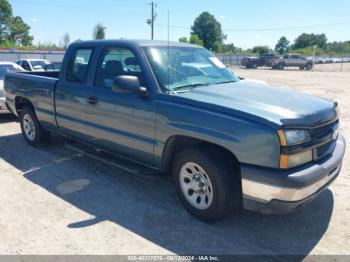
(34, 19)
(222, 17)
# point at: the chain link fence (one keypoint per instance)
(235, 59)
(10, 55)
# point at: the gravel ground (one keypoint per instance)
(54, 201)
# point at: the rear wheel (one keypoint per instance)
(301, 67)
(32, 132)
(309, 66)
(207, 183)
(280, 66)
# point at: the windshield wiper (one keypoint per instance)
(188, 86)
(225, 82)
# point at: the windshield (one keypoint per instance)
(39, 64)
(185, 67)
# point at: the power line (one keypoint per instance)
(266, 29)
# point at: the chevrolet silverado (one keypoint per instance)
(175, 108)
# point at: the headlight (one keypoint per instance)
(289, 161)
(291, 137)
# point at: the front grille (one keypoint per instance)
(321, 133)
(325, 149)
(324, 130)
(2, 93)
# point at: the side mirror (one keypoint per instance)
(128, 85)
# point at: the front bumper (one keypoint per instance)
(281, 191)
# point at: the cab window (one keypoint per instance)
(26, 65)
(115, 62)
(78, 65)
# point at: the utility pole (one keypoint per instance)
(152, 25)
(313, 58)
(341, 65)
(153, 18)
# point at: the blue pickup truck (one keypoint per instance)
(174, 108)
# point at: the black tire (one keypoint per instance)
(309, 66)
(224, 177)
(255, 66)
(40, 135)
(281, 66)
(301, 67)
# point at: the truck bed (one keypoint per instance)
(51, 74)
(39, 88)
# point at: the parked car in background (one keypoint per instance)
(6, 67)
(166, 107)
(33, 65)
(292, 60)
(53, 66)
(250, 62)
(337, 60)
(254, 62)
(315, 59)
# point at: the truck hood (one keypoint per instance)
(281, 106)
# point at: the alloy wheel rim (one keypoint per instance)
(196, 185)
(29, 127)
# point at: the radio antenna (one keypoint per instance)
(168, 48)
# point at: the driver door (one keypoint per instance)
(122, 123)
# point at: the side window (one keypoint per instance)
(285, 57)
(26, 65)
(78, 65)
(115, 62)
(295, 57)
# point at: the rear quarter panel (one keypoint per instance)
(38, 90)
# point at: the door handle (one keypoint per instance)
(92, 100)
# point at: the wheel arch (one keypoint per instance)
(20, 102)
(176, 143)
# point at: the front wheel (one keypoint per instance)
(309, 67)
(207, 183)
(32, 132)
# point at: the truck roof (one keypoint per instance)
(134, 42)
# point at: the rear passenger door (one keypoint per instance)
(295, 60)
(120, 122)
(286, 59)
(71, 90)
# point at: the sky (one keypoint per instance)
(246, 23)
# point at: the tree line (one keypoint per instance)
(206, 31)
(13, 30)
(15, 33)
